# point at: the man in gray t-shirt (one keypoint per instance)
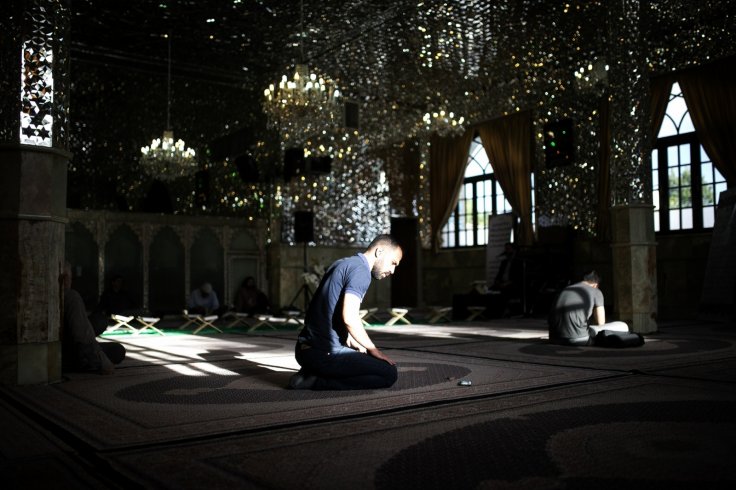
(578, 314)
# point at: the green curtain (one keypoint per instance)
(508, 141)
(448, 157)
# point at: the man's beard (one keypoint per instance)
(376, 271)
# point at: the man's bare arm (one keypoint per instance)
(351, 317)
(599, 315)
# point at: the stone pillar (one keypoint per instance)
(634, 267)
(33, 161)
(634, 247)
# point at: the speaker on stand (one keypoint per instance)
(303, 233)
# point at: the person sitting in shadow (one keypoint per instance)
(509, 279)
(114, 300)
(80, 350)
(249, 299)
(203, 301)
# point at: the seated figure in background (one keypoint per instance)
(203, 301)
(249, 299)
(80, 350)
(114, 300)
(509, 280)
(578, 314)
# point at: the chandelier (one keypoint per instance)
(165, 158)
(304, 106)
(442, 122)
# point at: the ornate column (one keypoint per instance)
(145, 235)
(187, 240)
(33, 160)
(226, 234)
(634, 246)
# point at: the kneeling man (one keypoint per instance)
(333, 348)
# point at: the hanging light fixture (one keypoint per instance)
(306, 105)
(165, 158)
(443, 122)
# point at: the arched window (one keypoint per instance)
(685, 184)
(480, 196)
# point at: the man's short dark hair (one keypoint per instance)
(385, 240)
(592, 277)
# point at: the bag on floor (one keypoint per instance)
(610, 338)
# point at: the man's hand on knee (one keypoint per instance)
(380, 355)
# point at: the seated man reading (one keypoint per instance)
(578, 314)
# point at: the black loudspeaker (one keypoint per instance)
(294, 163)
(352, 115)
(559, 143)
(405, 281)
(303, 226)
(247, 169)
(319, 165)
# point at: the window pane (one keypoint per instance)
(473, 169)
(655, 180)
(675, 219)
(686, 126)
(708, 196)
(674, 199)
(684, 154)
(506, 206)
(668, 127)
(685, 176)
(687, 218)
(482, 236)
(706, 173)
(686, 197)
(500, 204)
(676, 108)
(656, 221)
(655, 200)
(719, 188)
(655, 160)
(709, 217)
(476, 148)
(703, 155)
(672, 157)
(469, 237)
(717, 176)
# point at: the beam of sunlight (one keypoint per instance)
(212, 369)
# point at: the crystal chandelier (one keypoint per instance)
(165, 158)
(306, 105)
(442, 122)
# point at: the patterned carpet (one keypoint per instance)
(211, 411)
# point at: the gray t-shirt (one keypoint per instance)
(573, 308)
